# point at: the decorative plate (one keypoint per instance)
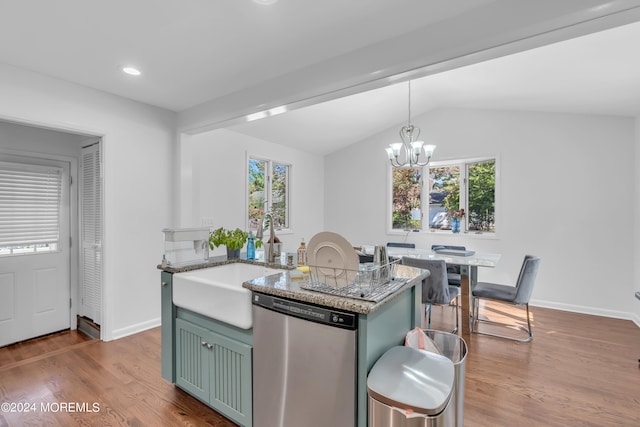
(333, 258)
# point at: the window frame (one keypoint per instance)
(463, 163)
(270, 163)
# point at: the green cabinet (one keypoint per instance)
(208, 359)
(168, 315)
(215, 369)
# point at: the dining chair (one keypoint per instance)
(519, 295)
(401, 245)
(453, 271)
(435, 288)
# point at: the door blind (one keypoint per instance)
(30, 197)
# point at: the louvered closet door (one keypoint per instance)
(91, 231)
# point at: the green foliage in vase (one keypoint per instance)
(232, 239)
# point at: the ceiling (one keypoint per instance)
(192, 51)
(203, 52)
(594, 74)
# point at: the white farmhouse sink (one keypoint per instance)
(217, 292)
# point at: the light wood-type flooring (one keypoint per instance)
(579, 370)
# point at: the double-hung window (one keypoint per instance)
(424, 198)
(268, 189)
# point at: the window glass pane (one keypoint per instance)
(444, 195)
(407, 196)
(280, 195)
(482, 201)
(257, 200)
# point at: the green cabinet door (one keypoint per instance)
(192, 359)
(215, 369)
(231, 378)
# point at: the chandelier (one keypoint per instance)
(408, 153)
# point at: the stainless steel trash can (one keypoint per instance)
(454, 348)
(408, 387)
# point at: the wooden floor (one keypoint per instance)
(579, 371)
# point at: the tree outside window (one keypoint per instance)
(268, 188)
(482, 196)
(407, 196)
(455, 185)
(444, 195)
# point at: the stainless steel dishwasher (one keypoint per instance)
(304, 364)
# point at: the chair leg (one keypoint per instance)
(427, 311)
(527, 330)
(425, 320)
(455, 312)
(474, 314)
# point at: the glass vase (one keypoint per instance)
(455, 225)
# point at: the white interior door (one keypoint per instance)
(91, 233)
(34, 248)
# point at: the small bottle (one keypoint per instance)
(302, 253)
(251, 247)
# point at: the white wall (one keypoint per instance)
(138, 144)
(636, 216)
(213, 184)
(31, 140)
(566, 195)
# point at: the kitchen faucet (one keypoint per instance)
(272, 234)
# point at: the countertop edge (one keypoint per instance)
(282, 285)
(337, 302)
(218, 261)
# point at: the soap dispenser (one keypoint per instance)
(302, 253)
(251, 247)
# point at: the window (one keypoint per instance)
(30, 198)
(407, 198)
(268, 188)
(453, 185)
(481, 196)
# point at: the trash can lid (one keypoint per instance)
(412, 379)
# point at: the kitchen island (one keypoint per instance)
(190, 339)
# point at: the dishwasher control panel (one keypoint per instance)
(341, 319)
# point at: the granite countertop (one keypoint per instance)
(221, 260)
(283, 285)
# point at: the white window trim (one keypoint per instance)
(424, 201)
(389, 208)
(248, 156)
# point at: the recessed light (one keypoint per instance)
(265, 2)
(132, 71)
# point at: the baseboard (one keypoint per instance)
(134, 329)
(636, 319)
(587, 310)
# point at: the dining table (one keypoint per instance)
(468, 261)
